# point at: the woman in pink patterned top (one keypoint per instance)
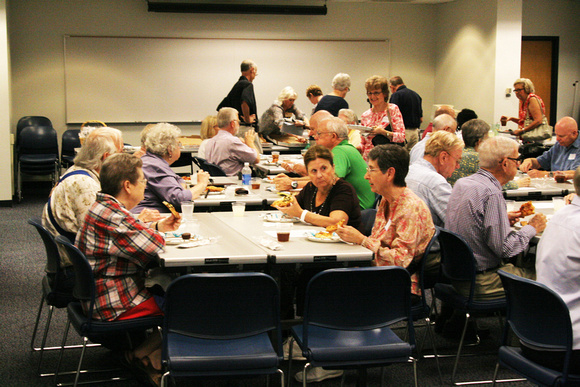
(403, 226)
(385, 118)
(531, 106)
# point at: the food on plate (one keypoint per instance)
(334, 227)
(323, 235)
(527, 209)
(186, 236)
(284, 201)
(213, 188)
(523, 223)
(171, 208)
(560, 177)
(186, 178)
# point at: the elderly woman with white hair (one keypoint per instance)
(163, 149)
(335, 101)
(283, 107)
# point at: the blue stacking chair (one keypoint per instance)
(347, 318)
(458, 264)
(53, 293)
(85, 326)
(212, 169)
(70, 141)
(218, 325)
(539, 317)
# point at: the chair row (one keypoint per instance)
(199, 338)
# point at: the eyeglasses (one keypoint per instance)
(318, 134)
(516, 90)
(143, 181)
(374, 93)
(515, 160)
(373, 170)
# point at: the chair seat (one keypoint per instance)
(53, 297)
(38, 158)
(248, 353)
(330, 346)
(447, 294)
(79, 322)
(513, 358)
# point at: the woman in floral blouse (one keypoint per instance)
(403, 226)
(385, 118)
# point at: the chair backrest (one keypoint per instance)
(84, 288)
(359, 298)
(212, 169)
(423, 282)
(368, 220)
(222, 305)
(457, 259)
(70, 141)
(537, 314)
(32, 121)
(38, 140)
(52, 254)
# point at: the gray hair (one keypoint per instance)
(336, 125)
(349, 114)
(225, 116)
(246, 65)
(528, 85)
(162, 139)
(100, 141)
(341, 82)
(443, 121)
(474, 130)
(493, 150)
(285, 94)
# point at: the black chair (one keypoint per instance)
(32, 121)
(539, 317)
(218, 325)
(185, 160)
(37, 154)
(458, 264)
(347, 318)
(85, 326)
(210, 168)
(368, 220)
(53, 293)
(70, 141)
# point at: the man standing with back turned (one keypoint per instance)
(409, 103)
(241, 97)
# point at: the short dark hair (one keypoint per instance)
(396, 81)
(313, 90)
(392, 156)
(473, 131)
(465, 115)
(117, 169)
(318, 152)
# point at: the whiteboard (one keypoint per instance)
(138, 80)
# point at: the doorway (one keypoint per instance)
(539, 63)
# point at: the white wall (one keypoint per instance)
(5, 146)
(559, 18)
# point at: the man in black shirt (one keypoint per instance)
(241, 97)
(409, 103)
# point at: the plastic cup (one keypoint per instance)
(283, 232)
(558, 203)
(187, 210)
(275, 157)
(238, 208)
(255, 184)
(503, 121)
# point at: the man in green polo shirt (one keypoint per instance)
(348, 162)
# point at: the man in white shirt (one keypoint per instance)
(441, 122)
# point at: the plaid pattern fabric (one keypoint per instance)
(119, 247)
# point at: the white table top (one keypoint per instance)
(541, 187)
(298, 249)
(230, 249)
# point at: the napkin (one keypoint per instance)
(196, 243)
(270, 244)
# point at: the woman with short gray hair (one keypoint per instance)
(163, 184)
(283, 107)
(335, 101)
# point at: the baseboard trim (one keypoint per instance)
(6, 203)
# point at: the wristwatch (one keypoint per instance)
(294, 184)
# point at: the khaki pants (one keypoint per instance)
(488, 285)
(412, 137)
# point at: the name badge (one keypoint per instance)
(572, 156)
(388, 225)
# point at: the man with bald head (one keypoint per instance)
(563, 156)
(442, 122)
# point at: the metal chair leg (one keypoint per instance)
(281, 377)
(46, 329)
(459, 349)
(36, 324)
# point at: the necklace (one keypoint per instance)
(313, 205)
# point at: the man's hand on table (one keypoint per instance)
(283, 182)
(534, 173)
(297, 168)
(538, 222)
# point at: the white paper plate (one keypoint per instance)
(279, 218)
(335, 238)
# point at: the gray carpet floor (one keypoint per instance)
(22, 260)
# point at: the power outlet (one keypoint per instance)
(508, 92)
